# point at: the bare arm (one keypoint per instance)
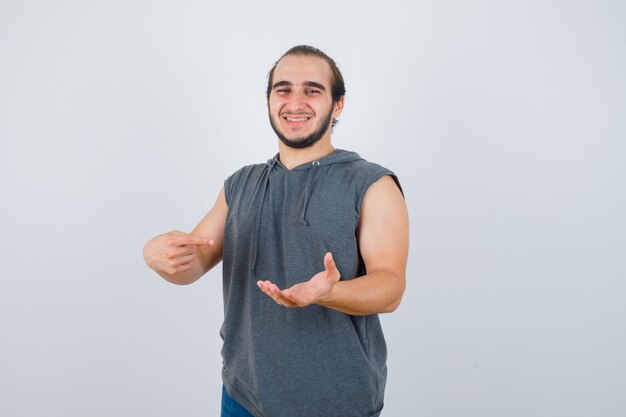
(182, 258)
(383, 241)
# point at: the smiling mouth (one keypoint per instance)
(296, 119)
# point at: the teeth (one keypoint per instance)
(301, 119)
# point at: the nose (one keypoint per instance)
(296, 102)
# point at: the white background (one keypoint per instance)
(505, 122)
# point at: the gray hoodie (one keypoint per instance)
(298, 362)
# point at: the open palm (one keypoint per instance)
(308, 292)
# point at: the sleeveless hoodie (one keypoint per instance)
(298, 362)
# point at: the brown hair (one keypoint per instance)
(338, 87)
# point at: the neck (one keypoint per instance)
(292, 157)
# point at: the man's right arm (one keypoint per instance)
(182, 258)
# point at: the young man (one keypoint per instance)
(314, 245)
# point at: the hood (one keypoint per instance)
(337, 157)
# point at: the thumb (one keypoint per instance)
(329, 265)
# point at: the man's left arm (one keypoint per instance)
(383, 235)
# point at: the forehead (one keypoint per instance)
(298, 68)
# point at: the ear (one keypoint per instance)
(338, 107)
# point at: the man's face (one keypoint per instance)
(300, 104)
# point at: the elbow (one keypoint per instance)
(393, 307)
(396, 302)
(178, 278)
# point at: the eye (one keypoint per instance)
(282, 91)
(312, 92)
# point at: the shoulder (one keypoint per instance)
(369, 171)
(364, 174)
(245, 171)
(240, 178)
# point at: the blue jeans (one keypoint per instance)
(231, 408)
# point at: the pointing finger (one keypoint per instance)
(197, 240)
(188, 240)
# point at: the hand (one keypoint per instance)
(305, 293)
(173, 252)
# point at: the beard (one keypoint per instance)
(305, 141)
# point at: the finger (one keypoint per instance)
(290, 296)
(281, 296)
(183, 268)
(182, 260)
(209, 242)
(178, 251)
(261, 285)
(196, 240)
(273, 291)
(283, 301)
(329, 264)
(177, 270)
(264, 286)
(187, 239)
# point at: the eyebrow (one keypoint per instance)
(306, 83)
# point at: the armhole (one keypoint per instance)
(227, 191)
(368, 184)
(228, 188)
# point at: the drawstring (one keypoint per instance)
(261, 188)
(257, 232)
(307, 192)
